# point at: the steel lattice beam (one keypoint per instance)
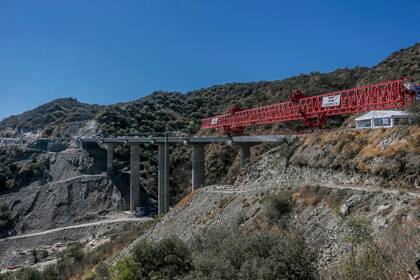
(380, 96)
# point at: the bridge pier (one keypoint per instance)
(198, 143)
(134, 176)
(198, 178)
(109, 157)
(244, 154)
(163, 179)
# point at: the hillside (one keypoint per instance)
(59, 112)
(324, 187)
(182, 112)
(305, 205)
(403, 63)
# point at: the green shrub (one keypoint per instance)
(360, 230)
(166, 259)
(24, 274)
(74, 252)
(277, 204)
(223, 254)
(5, 218)
(125, 269)
(219, 255)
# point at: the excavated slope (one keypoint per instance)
(330, 175)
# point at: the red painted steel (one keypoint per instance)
(380, 96)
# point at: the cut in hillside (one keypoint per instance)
(319, 186)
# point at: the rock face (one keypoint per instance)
(66, 194)
(61, 203)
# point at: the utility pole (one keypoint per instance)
(166, 192)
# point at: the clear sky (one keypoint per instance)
(110, 51)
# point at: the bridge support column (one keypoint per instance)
(109, 157)
(134, 177)
(244, 154)
(163, 179)
(198, 166)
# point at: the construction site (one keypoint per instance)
(211, 141)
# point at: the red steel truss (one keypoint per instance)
(314, 110)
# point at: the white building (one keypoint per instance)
(374, 119)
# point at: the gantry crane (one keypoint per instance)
(315, 110)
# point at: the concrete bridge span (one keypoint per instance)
(197, 143)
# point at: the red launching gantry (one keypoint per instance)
(314, 110)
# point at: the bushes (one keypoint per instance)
(220, 254)
(230, 255)
(166, 259)
(77, 263)
(277, 204)
(386, 257)
(5, 218)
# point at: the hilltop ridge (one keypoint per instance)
(184, 111)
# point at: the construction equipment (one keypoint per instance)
(315, 110)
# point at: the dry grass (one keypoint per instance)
(362, 150)
(309, 195)
(225, 201)
(386, 258)
(186, 200)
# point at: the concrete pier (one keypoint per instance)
(134, 177)
(244, 154)
(198, 178)
(198, 143)
(110, 157)
(163, 171)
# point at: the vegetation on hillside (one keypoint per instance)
(5, 219)
(386, 257)
(220, 254)
(20, 167)
(402, 63)
(391, 154)
(59, 111)
(181, 113)
(77, 261)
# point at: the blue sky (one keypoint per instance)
(110, 51)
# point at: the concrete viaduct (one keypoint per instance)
(244, 143)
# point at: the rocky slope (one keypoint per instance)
(61, 203)
(328, 184)
(182, 112)
(65, 193)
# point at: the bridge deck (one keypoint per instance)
(190, 140)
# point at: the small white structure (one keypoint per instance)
(375, 119)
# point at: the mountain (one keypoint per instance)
(330, 187)
(182, 112)
(403, 63)
(57, 112)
